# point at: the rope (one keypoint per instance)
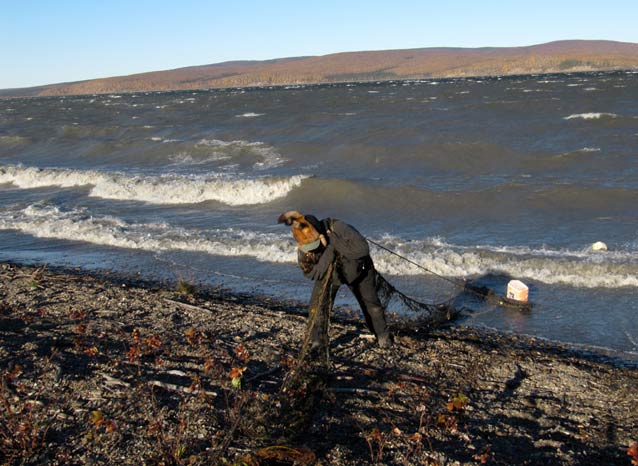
(454, 282)
(482, 292)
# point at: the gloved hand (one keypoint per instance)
(321, 267)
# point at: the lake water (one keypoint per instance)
(474, 179)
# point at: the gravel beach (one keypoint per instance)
(103, 369)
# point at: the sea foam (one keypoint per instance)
(44, 221)
(266, 156)
(250, 115)
(167, 189)
(577, 268)
(590, 116)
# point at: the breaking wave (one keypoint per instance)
(590, 116)
(267, 156)
(581, 268)
(167, 189)
(577, 268)
(250, 115)
(44, 221)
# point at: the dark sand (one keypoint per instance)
(107, 370)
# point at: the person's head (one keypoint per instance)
(307, 230)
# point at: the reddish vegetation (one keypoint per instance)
(561, 56)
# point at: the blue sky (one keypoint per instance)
(50, 41)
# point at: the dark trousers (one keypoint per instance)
(364, 289)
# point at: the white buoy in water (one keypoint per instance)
(599, 246)
(517, 291)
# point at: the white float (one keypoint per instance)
(599, 246)
(517, 291)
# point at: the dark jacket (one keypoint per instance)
(347, 249)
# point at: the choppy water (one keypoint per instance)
(482, 179)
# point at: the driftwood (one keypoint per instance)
(180, 388)
(112, 381)
(189, 307)
(356, 391)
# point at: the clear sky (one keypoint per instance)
(51, 41)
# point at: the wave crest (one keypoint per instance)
(44, 221)
(580, 268)
(590, 116)
(167, 189)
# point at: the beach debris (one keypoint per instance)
(517, 291)
(280, 454)
(516, 380)
(112, 381)
(191, 390)
(599, 246)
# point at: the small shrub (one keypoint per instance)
(185, 288)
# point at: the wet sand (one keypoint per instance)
(105, 369)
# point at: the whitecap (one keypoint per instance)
(589, 149)
(267, 156)
(167, 189)
(250, 115)
(185, 158)
(590, 116)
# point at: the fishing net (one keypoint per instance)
(304, 384)
(315, 347)
(425, 315)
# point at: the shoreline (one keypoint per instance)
(448, 78)
(99, 367)
(603, 354)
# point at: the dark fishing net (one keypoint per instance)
(305, 383)
(315, 345)
(426, 315)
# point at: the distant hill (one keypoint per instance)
(560, 56)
